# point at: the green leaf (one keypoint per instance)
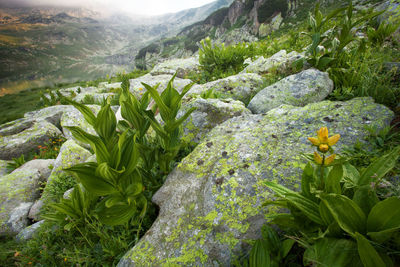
(368, 255)
(102, 154)
(287, 245)
(308, 207)
(169, 127)
(117, 214)
(346, 213)
(85, 173)
(366, 198)
(164, 109)
(332, 252)
(106, 123)
(384, 219)
(351, 176)
(259, 254)
(271, 238)
(332, 184)
(325, 213)
(379, 167)
(109, 174)
(307, 179)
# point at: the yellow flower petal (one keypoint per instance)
(314, 141)
(317, 158)
(323, 135)
(333, 139)
(330, 159)
(323, 148)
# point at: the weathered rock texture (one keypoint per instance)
(300, 89)
(211, 203)
(23, 136)
(240, 87)
(208, 114)
(181, 66)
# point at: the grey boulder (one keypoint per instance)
(300, 89)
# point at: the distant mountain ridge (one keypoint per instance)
(57, 44)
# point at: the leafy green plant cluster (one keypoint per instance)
(50, 149)
(219, 61)
(16, 163)
(338, 217)
(109, 208)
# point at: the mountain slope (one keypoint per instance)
(46, 45)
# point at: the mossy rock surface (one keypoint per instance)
(51, 114)
(75, 118)
(208, 114)
(281, 61)
(240, 87)
(23, 137)
(20, 186)
(181, 66)
(212, 202)
(300, 89)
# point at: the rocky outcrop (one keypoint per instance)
(23, 137)
(208, 114)
(240, 87)
(300, 89)
(137, 87)
(75, 118)
(182, 67)
(211, 203)
(18, 191)
(280, 61)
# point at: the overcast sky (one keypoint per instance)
(143, 7)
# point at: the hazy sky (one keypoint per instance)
(145, 7)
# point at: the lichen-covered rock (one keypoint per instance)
(43, 166)
(70, 154)
(212, 202)
(23, 136)
(75, 118)
(51, 114)
(281, 61)
(22, 185)
(93, 98)
(3, 167)
(266, 29)
(110, 86)
(18, 219)
(240, 87)
(180, 66)
(300, 89)
(34, 212)
(29, 231)
(208, 114)
(137, 88)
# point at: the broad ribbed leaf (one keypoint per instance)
(287, 245)
(366, 198)
(102, 154)
(109, 174)
(368, 255)
(332, 252)
(117, 214)
(332, 184)
(85, 173)
(307, 179)
(129, 154)
(308, 207)
(259, 254)
(106, 123)
(346, 212)
(351, 175)
(169, 127)
(385, 215)
(164, 110)
(379, 167)
(325, 213)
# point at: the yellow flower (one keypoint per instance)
(317, 158)
(322, 141)
(330, 159)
